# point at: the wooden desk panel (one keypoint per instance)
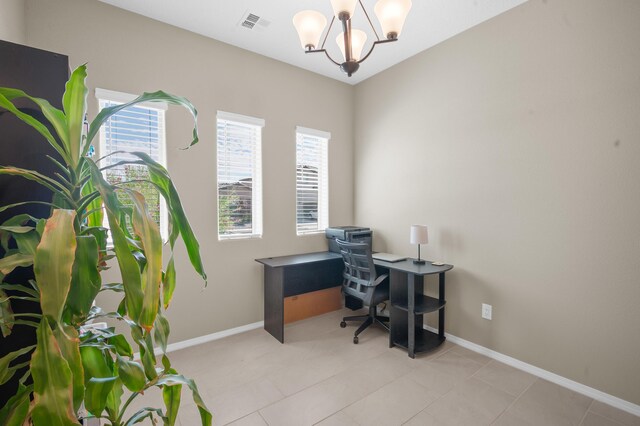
(308, 305)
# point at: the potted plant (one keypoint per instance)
(74, 365)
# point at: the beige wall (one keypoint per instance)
(518, 143)
(132, 54)
(12, 21)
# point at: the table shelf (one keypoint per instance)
(423, 305)
(425, 341)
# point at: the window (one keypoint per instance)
(239, 176)
(312, 180)
(136, 128)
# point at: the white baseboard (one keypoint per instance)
(172, 347)
(614, 401)
(213, 336)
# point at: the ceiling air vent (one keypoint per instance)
(250, 21)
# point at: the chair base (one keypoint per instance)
(371, 318)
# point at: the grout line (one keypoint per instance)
(585, 390)
(262, 417)
(586, 412)
(514, 401)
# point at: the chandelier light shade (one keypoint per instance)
(358, 39)
(344, 6)
(392, 14)
(310, 25)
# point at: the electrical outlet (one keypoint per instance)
(486, 311)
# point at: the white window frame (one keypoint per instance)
(256, 178)
(103, 95)
(323, 180)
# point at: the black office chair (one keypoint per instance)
(362, 282)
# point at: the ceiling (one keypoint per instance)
(429, 23)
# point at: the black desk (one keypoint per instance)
(286, 276)
(409, 304)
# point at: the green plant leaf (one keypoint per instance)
(95, 218)
(129, 270)
(132, 374)
(27, 242)
(53, 262)
(17, 229)
(21, 288)
(149, 234)
(69, 342)
(148, 356)
(7, 371)
(145, 97)
(15, 411)
(116, 287)
(53, 392)
(168, 283)
(85, 279)
(161, 332)
(113, 400)
(178, 218)
(99, 366)
(94, 363)
(171, 396)
(145, 413)
(9, 263)
(32, 175)
(74, 102)
(177, 379)
(24, 203)
(98, 390)
(6, 314)
(52, 114)
(122, 347)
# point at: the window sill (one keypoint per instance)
(239, 237)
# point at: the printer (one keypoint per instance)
(352, 234)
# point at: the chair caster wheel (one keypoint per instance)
(343, 324)
(355, 340)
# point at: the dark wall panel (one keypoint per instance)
(41, 74)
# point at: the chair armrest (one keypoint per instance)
(380, 279)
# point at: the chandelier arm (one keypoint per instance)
(325, 52)
(327, 34)
(374, 45)
(369, 19)
(330, 58)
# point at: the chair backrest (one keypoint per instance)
(359, 275)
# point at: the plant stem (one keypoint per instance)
(124, 407)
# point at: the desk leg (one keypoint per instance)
(274, 302)
(398, 318)
(411, 299)
(441, 312)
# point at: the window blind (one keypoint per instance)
(136, 128)
(312, 181)
(239, 176)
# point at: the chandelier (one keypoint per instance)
(310, 24)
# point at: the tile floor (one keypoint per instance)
(320, 377)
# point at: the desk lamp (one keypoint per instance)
(419, 235)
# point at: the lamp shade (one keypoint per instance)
(392, 14)
(419, 234)
(348, 6)
(358, 39)
(309, 25)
